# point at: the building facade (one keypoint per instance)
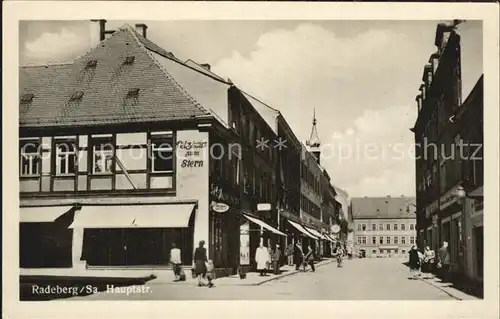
(383, 226)
(128, 149)
(449, 150)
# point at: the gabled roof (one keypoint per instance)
(383, 207)
(105, 88)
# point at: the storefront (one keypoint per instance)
(135, 235)
(44, 238)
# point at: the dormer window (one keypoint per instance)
(133, 92)
(26, 98)
(129, 60)
(77, 96)
(91, 64)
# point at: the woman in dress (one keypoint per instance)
(414, 261)
(200, 258)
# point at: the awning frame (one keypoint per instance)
(301, 229)
(58, 211)
(263, 224)
(315, 233)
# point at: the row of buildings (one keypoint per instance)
(127, 149)
(383, 226)
(449, 155)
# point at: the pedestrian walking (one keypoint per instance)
(175, 260)
(261, 259)
(339, 254)
(444, 261)
(200, 258)
(298, 255)
(349, 252)
(276, 257)
(290, 254)
(210, 273)
(270, 256)
(414, 261)
(429, 259)
(309, 259)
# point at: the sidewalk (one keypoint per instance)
(252, 278)
(457, 290)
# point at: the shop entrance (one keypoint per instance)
(135, 246)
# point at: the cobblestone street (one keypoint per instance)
(358, 279)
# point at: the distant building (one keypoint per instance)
(384, 226)
(345, 211)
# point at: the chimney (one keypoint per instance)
(141, 28)
(97, 32)
(206, 66)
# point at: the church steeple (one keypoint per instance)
(314, 142)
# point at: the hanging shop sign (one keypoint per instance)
(219, 207)
(335, 229)
(263, 207)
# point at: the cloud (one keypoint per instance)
(53, 46)
(362, 88)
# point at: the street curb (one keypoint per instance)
(288, 274)
(440, 288)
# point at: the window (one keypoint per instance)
(395, 226)
(403, 240)
(412, 227)
(388, 227)
(381, 240)
(29, 158)
(133, 92)
(403, 252)
(26, 98)
(374, 240)
(403, 227)
(129, 60)
(363, 226)
(162, 154)
(359, 226)
(374, 227)
(388, 240)
(77, 96)
(65, 158)
(359, 239)
(374, 252)
(364, 239)
(412, 240)
(91, 64)
(380, 227)
(102, 156)
(395, 239)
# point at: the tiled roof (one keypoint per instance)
(105, 88)
(383, 207)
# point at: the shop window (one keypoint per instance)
(102, 155)
(29, 158)
(162, 154)
(65, 157)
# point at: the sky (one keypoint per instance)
(360, 78)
